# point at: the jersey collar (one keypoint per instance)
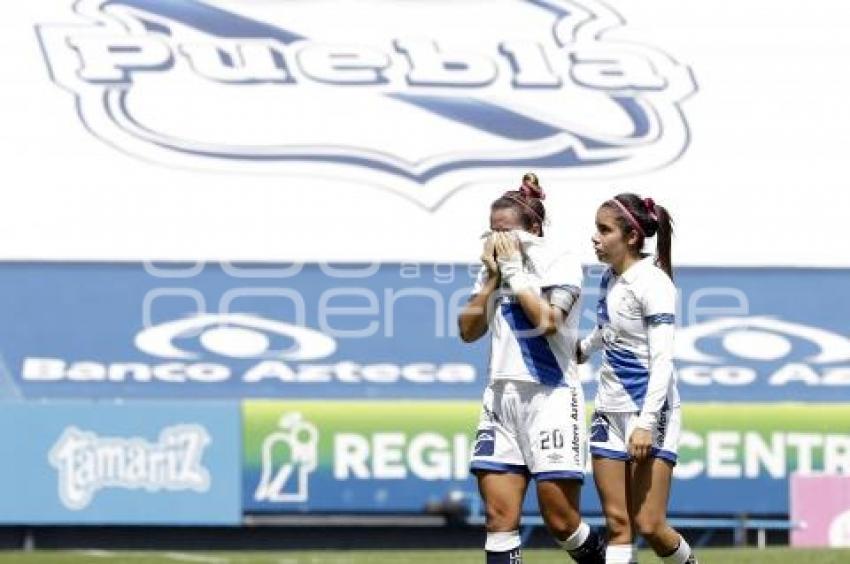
(634, 270)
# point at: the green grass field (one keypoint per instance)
(707, 556)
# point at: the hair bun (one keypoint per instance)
(531, 188)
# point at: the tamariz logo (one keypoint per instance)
(87, 463)
(420, 97)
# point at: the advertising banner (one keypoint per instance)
(398, 456)
(354, 456)
(231, 331)
(820, 503)
(378, 331)
(129, 463)
(738, 459)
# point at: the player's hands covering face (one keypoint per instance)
(507, 247)
(488, 255)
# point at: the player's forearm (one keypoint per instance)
(527, 293)
(542, 315)
(475, 318)
(660, 373)
(590, 344)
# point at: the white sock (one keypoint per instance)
(502, 542)
(620, 554)
(681, 554)
(576, 539)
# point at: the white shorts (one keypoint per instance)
(532, 428)
(610, 431)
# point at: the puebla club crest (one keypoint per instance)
(420, 97)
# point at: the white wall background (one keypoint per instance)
(764, 182)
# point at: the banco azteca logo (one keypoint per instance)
(759, 339)
(235, 335)
(420, 97)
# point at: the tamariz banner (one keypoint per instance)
(139, 463)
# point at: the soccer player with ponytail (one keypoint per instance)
(532, 423)
(635, 428)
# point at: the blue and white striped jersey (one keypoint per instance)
(517, 351)
(635, 326)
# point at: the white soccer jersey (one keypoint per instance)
(635, 325)
(517, 351)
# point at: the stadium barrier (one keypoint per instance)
(739, 524)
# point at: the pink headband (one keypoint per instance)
(628, 215)
(525, 205)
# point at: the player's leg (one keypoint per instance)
(612, 484)
(611, 475)
(502, 493)
(651, 480)
(650, 492)
(555, 443)
(559, 506)
(502, 474)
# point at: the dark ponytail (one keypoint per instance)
(647, 219)
(664, 241)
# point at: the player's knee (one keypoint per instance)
(562, 529)
(618, 523)
(559, 511)
(649, 524)
(501, 517)
(562, 524)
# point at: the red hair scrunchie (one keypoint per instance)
(649, 204)
(529, 190)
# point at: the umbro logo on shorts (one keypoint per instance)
(485, 443)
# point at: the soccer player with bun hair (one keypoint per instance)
(532, 423)
(635, 429)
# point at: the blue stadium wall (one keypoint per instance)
(195, 394)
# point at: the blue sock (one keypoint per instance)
(508, 557)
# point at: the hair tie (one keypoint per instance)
(530, 190)
(649, 203)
